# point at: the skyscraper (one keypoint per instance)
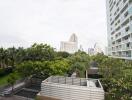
(70, 46)
(119, 23)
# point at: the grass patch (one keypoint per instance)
(3, 80)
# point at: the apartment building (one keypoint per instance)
(119, 27)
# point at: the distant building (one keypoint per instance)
(97, 49)
(81, 48)
(91, 51)
(70, 46)
(70, 88)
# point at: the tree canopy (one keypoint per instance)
(42, 61)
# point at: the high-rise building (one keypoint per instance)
(91, 51)
(70, 46)
(81, 48)
(119, 19)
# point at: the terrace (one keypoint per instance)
(67, 88)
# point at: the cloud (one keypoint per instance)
(52, 21)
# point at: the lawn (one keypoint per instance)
(3, 80)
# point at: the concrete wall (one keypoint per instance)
(71, 92)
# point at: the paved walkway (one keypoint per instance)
(15, 98)
(9, 89)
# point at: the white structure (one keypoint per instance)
(71, 88)
(119, 19)
(71, 46)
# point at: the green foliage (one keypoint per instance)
(117, 77)
(37, 52)
(11, 80)
(61, 55)
(4, 79)
(43, 69)
(40, 52)
(79, 63)
(42, 61)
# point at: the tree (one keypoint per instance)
(40, 52)
(63, 54)
(26, 69)
(12, 56)
(3, 58)
(59, 67)
(116, 77)
(20, 55)
(11, 80)
(43, 69)
(80, 63)
(79, 69)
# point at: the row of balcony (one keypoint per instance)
(122, 5)
(125, 47)
(123, 18)
(122, 42)
(123, 32)
(121, 57)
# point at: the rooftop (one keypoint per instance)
(83, 82)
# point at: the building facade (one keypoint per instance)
(119, 27)
(70, 46)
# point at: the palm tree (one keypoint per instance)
(12, 55)
(3, 58)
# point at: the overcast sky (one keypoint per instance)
(23, 22)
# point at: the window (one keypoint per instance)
(124, 1)
(128, 45)
(126, 6)
(118, 28)
(125, 22)
(127, 29)
(126, 14)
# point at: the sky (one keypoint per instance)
(23, 22)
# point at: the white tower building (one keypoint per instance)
(70, 46)
(119, 27)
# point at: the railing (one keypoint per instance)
(74, 81)
(61, 88)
